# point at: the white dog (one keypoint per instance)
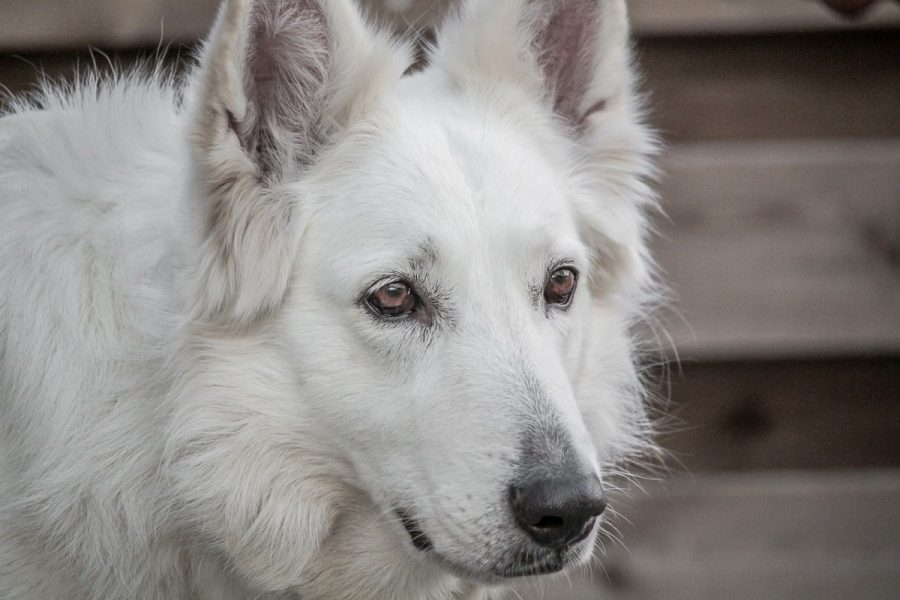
(311, 326)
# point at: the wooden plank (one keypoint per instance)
(128, 24)
(703, 17)
(785, 536)
(42, 24)
(778, 249)
(796, 414)
(787, 86)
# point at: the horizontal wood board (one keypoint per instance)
(782, 248)
(784, 536)
(822, 85)
(784, 414)
(51, 24)
(698, 17)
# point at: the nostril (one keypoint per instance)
(550, 523)
(560, 511)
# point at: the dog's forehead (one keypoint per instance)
(439, 178)
(427, 166)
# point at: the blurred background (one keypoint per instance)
(781, 241)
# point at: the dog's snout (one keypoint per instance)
(558, 511)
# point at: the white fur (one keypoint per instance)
(193, 401)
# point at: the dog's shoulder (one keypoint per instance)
(89, 179)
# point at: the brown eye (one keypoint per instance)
(560, 287)
(394, 299)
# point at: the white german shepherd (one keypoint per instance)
(311, 326)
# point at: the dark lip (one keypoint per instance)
(553, 561)
(588, 528)
(554, 564)
(418, 537)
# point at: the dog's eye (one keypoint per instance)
(560, 287)
(393, 300)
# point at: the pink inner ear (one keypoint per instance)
(288, 55)
(565, 47)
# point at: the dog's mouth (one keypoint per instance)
(421, 541)
(527, 565)
(527, 561)
(524, 563)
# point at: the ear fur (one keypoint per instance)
(574, 53)
(574, 57)
(279, 80)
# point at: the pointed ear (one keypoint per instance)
(574, 57)
(574, 53)
(278, 81)
(582, 49)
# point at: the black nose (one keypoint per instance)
(560, 511)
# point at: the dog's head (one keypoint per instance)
(450, 260)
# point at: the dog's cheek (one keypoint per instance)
(608, 389)
(246, 473)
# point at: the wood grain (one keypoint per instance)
(44, 24)
(822, 85)
(693, 17)
(783, 248)
(783, 414)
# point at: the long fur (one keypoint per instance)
(194, 402)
